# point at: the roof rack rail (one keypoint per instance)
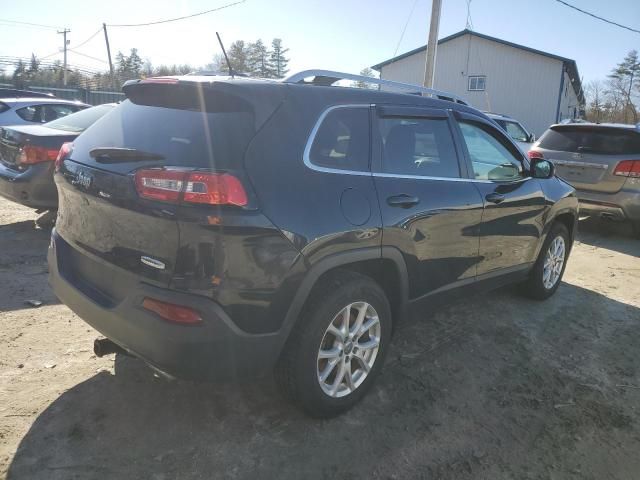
(329, 77)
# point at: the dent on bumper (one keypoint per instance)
(214, 350)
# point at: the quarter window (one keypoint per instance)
(490, 158)
(58, 111)
(342, 141)
(32, 113)
(477, 83)
(418, 146)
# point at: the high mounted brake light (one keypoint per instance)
(534, 155)
(173, 185)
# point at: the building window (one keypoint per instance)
(477, 83)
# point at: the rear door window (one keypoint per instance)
(342, 140)
(604, 141)
(418, 146)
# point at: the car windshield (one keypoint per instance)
(80, 121)
(514, 130)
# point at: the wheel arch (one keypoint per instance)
(384, 265)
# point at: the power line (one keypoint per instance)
(87, 56)
(597, 17)
(29, 23)
(395, 52)
(175, 19)
(88, 39)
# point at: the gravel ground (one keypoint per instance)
(493, 387)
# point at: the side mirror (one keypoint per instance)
(541, 168)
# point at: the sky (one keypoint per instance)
(345, 35)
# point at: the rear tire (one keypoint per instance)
(547, 272)
(328, 365)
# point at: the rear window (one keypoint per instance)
(80, 121)
(190, 138)
(604, 141)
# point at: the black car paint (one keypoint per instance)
(32, 185)
(254, 267)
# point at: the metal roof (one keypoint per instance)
(569, 64)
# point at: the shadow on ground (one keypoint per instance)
(23, 266)
(493, 387)
(608, 234)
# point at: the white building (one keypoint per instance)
(537, 88)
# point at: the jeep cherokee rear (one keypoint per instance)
(219, 228)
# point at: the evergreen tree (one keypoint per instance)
(19, 74)
(259, 60)
(34, 65)
(135, 63)
(278, 59)
(365, 72)
(239, 56)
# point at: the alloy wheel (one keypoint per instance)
(348, 349)
(553, 263)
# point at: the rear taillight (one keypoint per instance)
(172, 312)
(64, 152)
(214, 189)
(534, 155)
(191, 187)
(30, 154)
(628, 168)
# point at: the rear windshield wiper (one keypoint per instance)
(115, 154)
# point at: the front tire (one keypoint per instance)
(546, 275)
(337, 348)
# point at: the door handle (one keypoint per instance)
(402, 201)
(495, 197)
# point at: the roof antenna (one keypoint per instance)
(224, 52)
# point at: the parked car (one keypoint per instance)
(27, 154)
(25, 110)
(602, 161)
(514, 129)
(17, 93)
(227, 227)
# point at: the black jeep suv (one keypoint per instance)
(218, 227)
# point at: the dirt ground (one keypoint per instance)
(493, 387)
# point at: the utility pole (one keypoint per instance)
(64, 72)
(432, 44)
(106, 39)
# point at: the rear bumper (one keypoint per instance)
(33, 188)
(214, 350)
(623, 205)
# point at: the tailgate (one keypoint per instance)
(588, 172)
(101, 215)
